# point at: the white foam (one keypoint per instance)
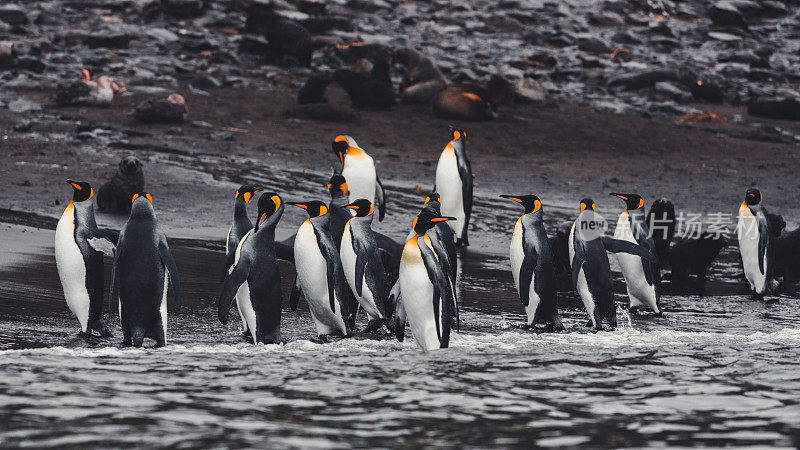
(462, 342)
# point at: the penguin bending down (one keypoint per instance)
(145, 267)
(79, 248)
(591, 272)
(641, 277)
(454, 184)
(255, 280)
(755, 235)
(358, 168)
(427, 298)
(319, 272)
(362, 264)
(240, 226)
(532, 265)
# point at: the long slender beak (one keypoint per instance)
(622, 196)
(341, 157)
(299, 205)
(442, 219)
(70, 181)
(512, 198)
(351, 207)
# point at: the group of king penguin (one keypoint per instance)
(343, 265)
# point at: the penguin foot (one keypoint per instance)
(771, 300)
(247, 337)
(322, 339)
(589, 323)
(634, 310)
(374, 326)
(101, 327)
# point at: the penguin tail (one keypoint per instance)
(137, 336)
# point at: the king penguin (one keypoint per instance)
(358, 168)
(255, 280)
(240, 226)
(444, 246)
(427, 298)
(755, 235)
(641, 277)
(79, 248)
(532, 264)
(454, 184)
(145, 267)
(319, 272)
(362, 264)
(591, 272)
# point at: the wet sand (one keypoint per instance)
(561, 152)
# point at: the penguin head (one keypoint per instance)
(587, 203)
(337, 186)
(247, 192)
(426, 219)
(341, 144)
(142, 195)
(362, 207)
(531, 203)
(457, 133)
(433, 197)
(268, 204)
(314, 208)
(753, 197)
(632, 201)
(81, 191)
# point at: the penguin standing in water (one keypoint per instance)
(641, 277)
(427, 298)
(358, 169)
(240, 226)
(532, 265)
(255, 280)
(145, 267)
(362, 264)
(756, 243)
(444, 246)
(319, 272)
(79, 248)
(454, 184)
(591, 272)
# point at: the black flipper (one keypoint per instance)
(361, 264)
(380, 198)
(229, 259)
(448, 268)
(441, 288)
(400, 321)
(111, 281)
(232, 284)
(294, 298)
(169, 263)
(764, 238)
(619, 246)
(526, 275)
(465, 171)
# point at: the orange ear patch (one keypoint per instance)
(149, 197)
(456, 135)
(135, 196)
(641, 202)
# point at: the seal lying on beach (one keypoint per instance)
(161, 110)
(423, 78)
(115, 195)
